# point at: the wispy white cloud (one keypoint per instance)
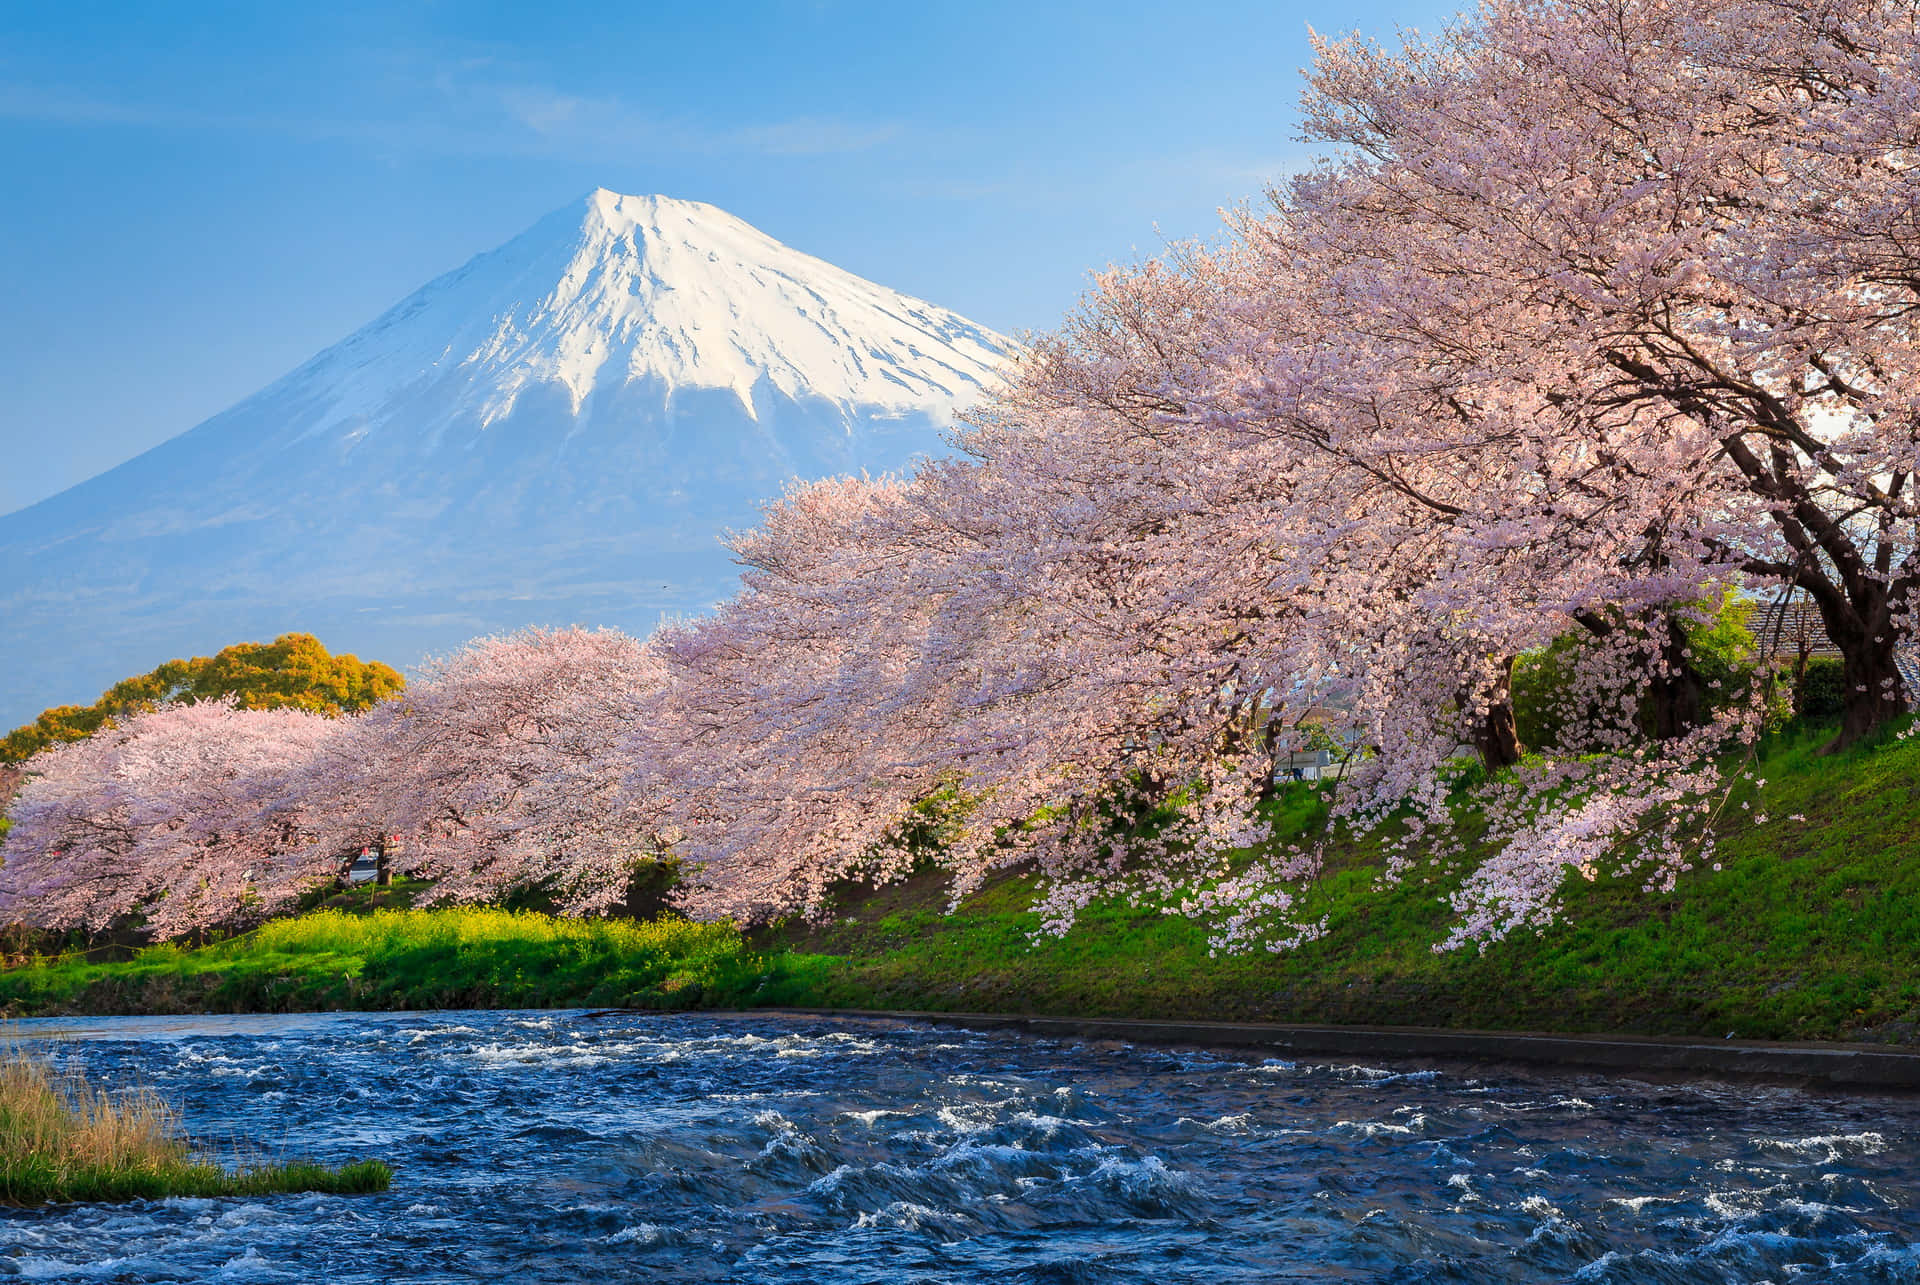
(462, 109)
(814, 136)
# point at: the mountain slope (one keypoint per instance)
(556, 432)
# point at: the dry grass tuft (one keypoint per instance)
(62, 1139)
(64, 1119)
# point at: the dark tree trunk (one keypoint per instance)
(1270, 751)
(1853, 577)
(1497, 734)
(1860, 625)
(1676, 700)
(1872, 690)
(1854, 582)
(382, 867)
(1676, 693)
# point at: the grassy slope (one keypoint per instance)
(1811, 931)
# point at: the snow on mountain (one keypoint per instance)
(556, 432)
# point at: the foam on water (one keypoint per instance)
(608, 1147)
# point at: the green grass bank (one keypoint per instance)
(1810, 931)
(385, 958)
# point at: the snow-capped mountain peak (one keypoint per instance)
(618, 289)
(556, 432)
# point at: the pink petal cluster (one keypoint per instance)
(184, 816)
(495, 772)
(1596, 309)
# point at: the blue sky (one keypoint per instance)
(198, 197)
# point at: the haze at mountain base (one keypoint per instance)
(555, 433)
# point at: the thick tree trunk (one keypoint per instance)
(1860, 626)
(1270, 750)
(1676, 700)
(1853, 582)
(1676, 694)
(382, 867)
(1873, 692)
(1497, 734)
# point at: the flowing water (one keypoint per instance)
(610, 1147)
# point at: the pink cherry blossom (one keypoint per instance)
(180, 818)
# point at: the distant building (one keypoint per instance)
(1793, 630)
(1790, 628)
(1303, 765)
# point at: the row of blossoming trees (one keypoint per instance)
(1597, 308)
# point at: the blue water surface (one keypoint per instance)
(613, 1147)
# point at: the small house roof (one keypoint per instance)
(1789, 628)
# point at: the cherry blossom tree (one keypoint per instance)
(1485, 376)
(798, 724)
(1683, 232)
(489, 773)
(174, 820)
(993, 631)
(489, 776)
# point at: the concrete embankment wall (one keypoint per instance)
(1861, 1066)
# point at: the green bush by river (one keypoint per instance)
(1811, 930)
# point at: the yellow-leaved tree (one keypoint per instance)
(293, 671)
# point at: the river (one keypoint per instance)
(613, 1147)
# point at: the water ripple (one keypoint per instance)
(612, 1147)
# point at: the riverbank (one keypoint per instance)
(1809, 931)
(1865, 1067)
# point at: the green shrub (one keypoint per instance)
(1544, 703)
(1821, 692)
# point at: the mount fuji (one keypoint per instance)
(557, 432)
